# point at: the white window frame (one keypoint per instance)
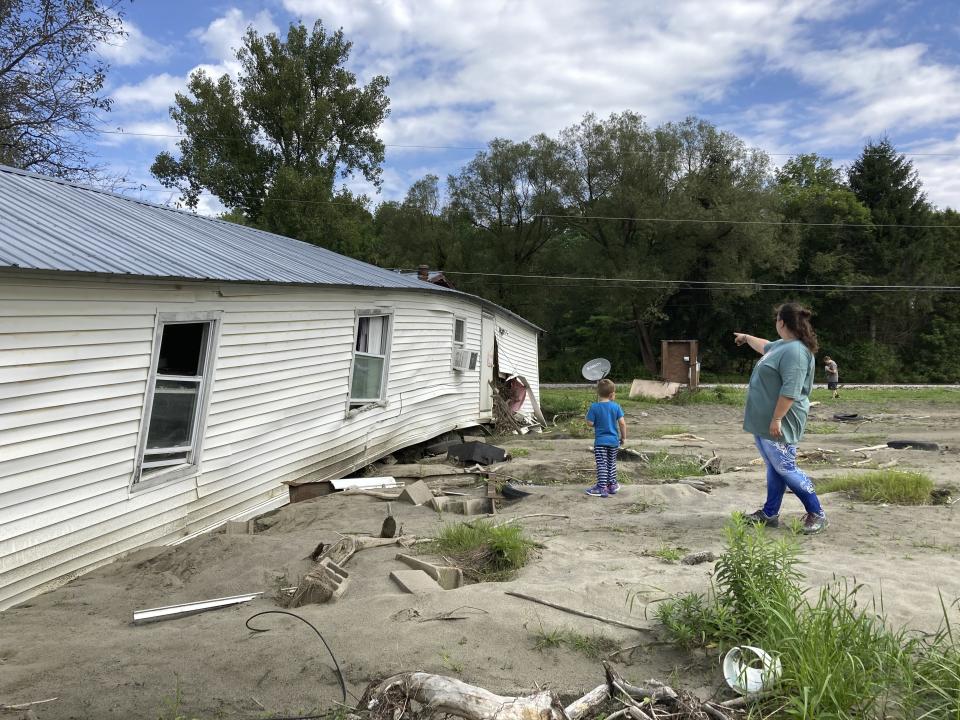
(459, 344)
(355, 405)
(208, 353)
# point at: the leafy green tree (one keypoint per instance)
(898, 251)
(510, 194)
(419, 230)
(273, 144)
(51, 81)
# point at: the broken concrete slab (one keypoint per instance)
(239, 527)
(415, 582)
(416, 493)
(655, 389)
(449, 578)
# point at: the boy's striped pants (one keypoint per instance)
(606, 465)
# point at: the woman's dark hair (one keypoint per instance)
(797, 319)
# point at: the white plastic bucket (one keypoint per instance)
(748, 680)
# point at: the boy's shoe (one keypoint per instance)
(598, 490)
(761, 518)
(813, 523)
(613, 488)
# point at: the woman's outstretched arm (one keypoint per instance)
(756, 343)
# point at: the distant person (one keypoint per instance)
(833, 375)
(778, 398)
(609, 433)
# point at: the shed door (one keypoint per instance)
(486, 363)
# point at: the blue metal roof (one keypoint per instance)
(50, 224)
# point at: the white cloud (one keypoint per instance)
(132, 48)
(153, 93)
(224, 35)
(870, 90)
(476, 70)
(936, 162)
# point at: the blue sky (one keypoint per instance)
(787, 76)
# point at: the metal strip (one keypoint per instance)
(173, 611)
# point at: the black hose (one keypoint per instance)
(343, 685)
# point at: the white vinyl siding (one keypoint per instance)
(518, 354)
(72, 403)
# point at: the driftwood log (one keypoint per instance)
(412, 694)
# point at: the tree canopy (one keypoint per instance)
(291, 125)
(51, 81)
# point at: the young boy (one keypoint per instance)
(610, 431)
(833, 375)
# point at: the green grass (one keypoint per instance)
(840, 658)
(485, 553)
(663, 466)
(897, 487)
(594, 646)
(668, 554)
(940, 396)
(641, 506)
(817, 428)
(659, 432)
(519, 452)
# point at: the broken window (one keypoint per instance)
(175, 398)
(370, 360)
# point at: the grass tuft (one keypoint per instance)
(594, 646)
(659, 432)
(664, 466)
(484, 552)
(840, 658)
(817, 428)
(519, 452)
(897, 487)
(668, 554)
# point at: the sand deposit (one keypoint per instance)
(77, 643)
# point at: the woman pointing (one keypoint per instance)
(778, 399)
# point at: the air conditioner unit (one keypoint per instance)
(465, 359)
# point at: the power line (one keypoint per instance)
(660, 283)
(177, 136)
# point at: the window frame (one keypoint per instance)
(208, 353)
(461, 344)
(355, 406)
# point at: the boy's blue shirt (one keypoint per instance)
(604, 416)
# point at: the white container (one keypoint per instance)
(748, 680)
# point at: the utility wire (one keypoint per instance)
(712, 284)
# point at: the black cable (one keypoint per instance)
(343, 685)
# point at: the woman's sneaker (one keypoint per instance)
(598, 490)
(813, 523)
(613, 488)
(761, 518)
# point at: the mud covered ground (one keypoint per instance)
(613, 557)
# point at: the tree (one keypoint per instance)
(898, 250)
(51, 81)
(291, 125)
(419, 230)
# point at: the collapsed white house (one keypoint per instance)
(162, 373)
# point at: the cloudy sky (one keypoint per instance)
(788, 76)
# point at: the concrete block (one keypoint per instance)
(449, 578)
(417, 493)
(416, 582)
(239, 527)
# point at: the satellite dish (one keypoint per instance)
(596, 369)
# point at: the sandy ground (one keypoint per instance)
(78, 644)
